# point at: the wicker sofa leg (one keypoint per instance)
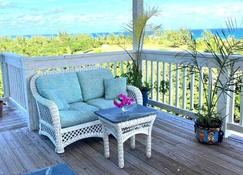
(59, 144)
(59, 149)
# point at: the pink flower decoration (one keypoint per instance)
(123, 100)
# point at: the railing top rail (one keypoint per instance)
(74, 60)
(184, 53)
(11, 59)
(183, 57)
(74, 56)
(42, 62)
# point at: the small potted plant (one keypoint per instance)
(1, 107)
(208, 125)
(134, 74)
(145, 89)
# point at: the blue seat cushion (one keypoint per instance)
(66, 83)
(101, 103)
(83, 107)
(56, 96)
(114, 87)
(74, 117)
(92, 82)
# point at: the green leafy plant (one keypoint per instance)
(225, 76)
(146, 86)
(163, 87)
(140, 26)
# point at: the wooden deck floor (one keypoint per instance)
(174, 151)
(12, 119)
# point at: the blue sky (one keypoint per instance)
(21, 17)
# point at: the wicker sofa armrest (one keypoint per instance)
(46, 102)
(49, 121)
(47, 109)
(135, 93)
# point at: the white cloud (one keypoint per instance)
(72, 23)
(175, 15)
(199, 16)
(220, 10)
(57, 10)
(93, 19)
(5, 4)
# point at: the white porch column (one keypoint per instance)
(137, 11)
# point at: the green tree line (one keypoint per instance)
(65, 43)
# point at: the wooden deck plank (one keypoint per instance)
(174, 151)
(86, 167)
(140, 155)
(133, 164)
(191, 153)
(10, 158)
(12, 119)
(220, 150)
(18, 150)
(211, 153)
(163, 159)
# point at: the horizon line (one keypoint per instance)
(100, 33)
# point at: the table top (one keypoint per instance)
(116, 115)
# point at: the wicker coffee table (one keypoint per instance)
(124, 125)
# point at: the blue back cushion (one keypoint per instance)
(114, 87)
(66, 83)
(92, 82)
(57, 97)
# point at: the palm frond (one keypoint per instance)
(138, 30)
(226, 74)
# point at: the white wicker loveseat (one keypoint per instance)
(52, 119)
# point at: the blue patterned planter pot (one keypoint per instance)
(145, 97)
(208, 135)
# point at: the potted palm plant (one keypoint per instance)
(221, 48)
(2, 103)
(134, 74)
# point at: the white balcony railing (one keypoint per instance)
(184, 93)
(14, 80)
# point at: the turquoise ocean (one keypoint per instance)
(197, 33)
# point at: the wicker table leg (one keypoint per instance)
(133, 142)
(106, 145)
(148, 146)
(120, 153)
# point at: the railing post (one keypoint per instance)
(137, 11)
(232, 105)
(5, 78)
(33, 123)
(224, 108)
(241, 105)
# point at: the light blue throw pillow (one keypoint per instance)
(92, 83)
(56, 96)
(114, 87)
